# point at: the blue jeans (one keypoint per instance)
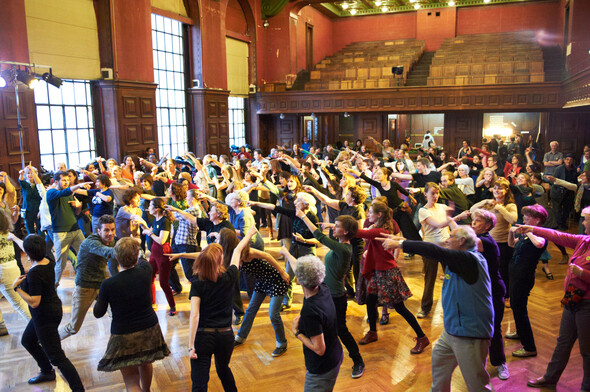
(274, 312)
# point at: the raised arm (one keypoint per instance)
(237, 255)
(332, 203)
(289, 257)
(301, 215)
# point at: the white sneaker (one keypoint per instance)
(503, 373)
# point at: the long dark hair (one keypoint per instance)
(229, 241)
(159, 204)
(386, 220)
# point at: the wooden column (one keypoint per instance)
(125, 107)
(210, 132)
(14, 47)
(127, 122)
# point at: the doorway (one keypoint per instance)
(309, 46)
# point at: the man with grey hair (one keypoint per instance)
(552, 159)
(317, 326)
(467, 309)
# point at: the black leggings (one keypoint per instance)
(400, 307)
(41, 340)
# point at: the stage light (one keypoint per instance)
(345, 6)
(51, 79)
(451, 3)
(486, 1)
(27, 78)
(378, 3)
(384, 9)
(416, 6)
(353, 11)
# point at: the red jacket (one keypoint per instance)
(377, 258)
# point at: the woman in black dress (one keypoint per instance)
(40, 338)
(270, 280)
(136, 339)
(390, 189)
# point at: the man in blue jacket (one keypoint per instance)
(467, 309)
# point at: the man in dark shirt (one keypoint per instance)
(63, 208)
(495, 165)
(562, 198)
(90, 272)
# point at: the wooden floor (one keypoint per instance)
(389, 364)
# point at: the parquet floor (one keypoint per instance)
(390, 366)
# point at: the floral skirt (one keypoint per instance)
(389, 286)
(134, 349)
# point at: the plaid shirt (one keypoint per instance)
(186, 234)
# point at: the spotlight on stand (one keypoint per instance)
(346, 115)
(6, 77)
(51, 79)
(399, 70)
(282, 116)
(26, 78)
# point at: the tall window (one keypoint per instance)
(169, 75)
(237, 121)
(65, 123)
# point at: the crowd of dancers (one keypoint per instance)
(485, 214)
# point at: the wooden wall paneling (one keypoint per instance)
(288, 130)
(9, 140)
(571, 129)
(210, 131)
(369, 124)
(461, 126)
(126, 123)
(540, 96)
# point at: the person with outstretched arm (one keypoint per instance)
(467, 308)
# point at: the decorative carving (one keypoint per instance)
(537, 96)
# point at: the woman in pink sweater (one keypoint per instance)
(385, 283)
(575, 319)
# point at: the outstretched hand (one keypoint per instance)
(174, 256)
(391, 242)
(523, 229)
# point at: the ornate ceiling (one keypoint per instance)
(352, 8)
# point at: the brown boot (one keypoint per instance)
(421, 344)
(370, 337)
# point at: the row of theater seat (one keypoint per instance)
(482, 59)
(497, 58)
(366, 65)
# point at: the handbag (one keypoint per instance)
(572, 297)
(166, 248)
